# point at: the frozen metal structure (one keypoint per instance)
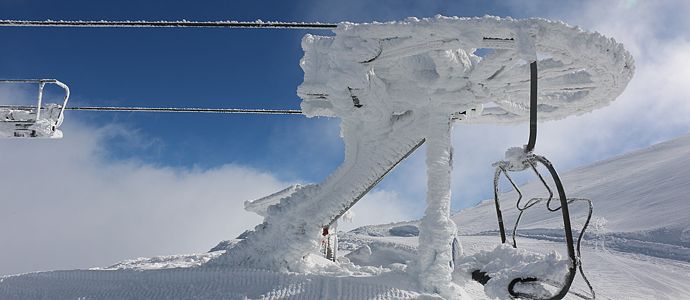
(39, 121)
(398, 85)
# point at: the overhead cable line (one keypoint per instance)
(171, 109)
(182, 23)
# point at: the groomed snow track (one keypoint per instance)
(194, 283)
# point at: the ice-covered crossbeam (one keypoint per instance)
(411, 61)
(260, 206)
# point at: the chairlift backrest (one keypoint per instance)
(40, 121)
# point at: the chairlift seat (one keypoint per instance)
(40, 121)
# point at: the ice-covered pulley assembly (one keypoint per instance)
(40, 121)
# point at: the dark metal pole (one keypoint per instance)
(532, 108)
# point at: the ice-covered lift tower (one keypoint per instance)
(395, 85)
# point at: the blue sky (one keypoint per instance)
(172, 183)
(196, 67)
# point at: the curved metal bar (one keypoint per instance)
(41, 85)
(579, 239)
(543, 182)
(572, 268)
(573, 257)
(578, 244)
(64, 103)
(499, 214)
(515, 187)
(564, 204)
(517, 221)
(529, 204)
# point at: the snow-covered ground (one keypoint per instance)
(640, 252)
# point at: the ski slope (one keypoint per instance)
(640, 203)
(641, 194)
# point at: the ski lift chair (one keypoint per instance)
(40, 121)
(520, 159)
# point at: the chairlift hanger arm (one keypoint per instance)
(182, 23)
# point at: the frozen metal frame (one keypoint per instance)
(39, 104)
(532, 160)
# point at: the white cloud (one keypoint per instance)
(64, 206)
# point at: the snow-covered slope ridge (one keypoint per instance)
(640, 201)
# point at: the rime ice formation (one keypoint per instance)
(395, 85)
(578, 71)
(41, 121)
(437, 230)
(23, 123)
(260, 206)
